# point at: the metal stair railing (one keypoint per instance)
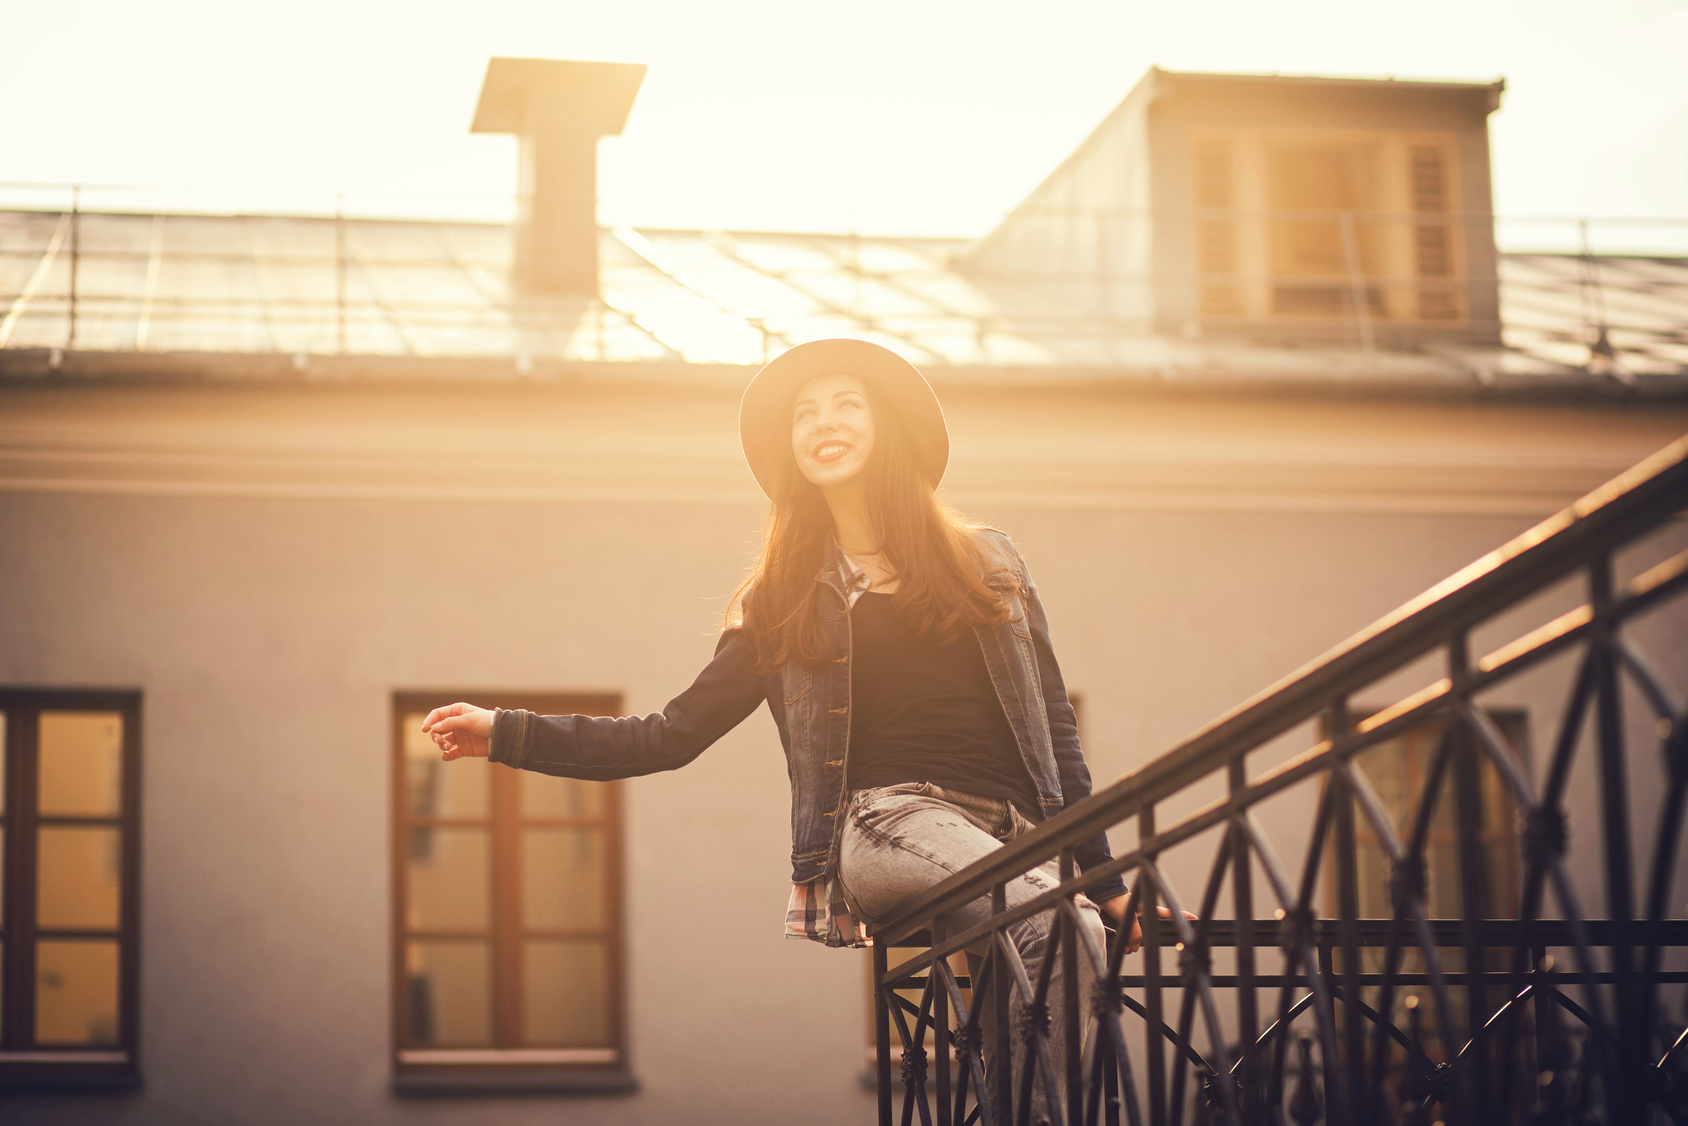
(1497, 1030)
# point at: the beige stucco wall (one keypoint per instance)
(268, 566)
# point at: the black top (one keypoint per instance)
(927, 712)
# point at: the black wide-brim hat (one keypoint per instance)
(765, 411)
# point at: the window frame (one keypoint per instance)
(25, 1066)
(515, 1069)
(1394, 289)
(1499, 839)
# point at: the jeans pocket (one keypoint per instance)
(876, 809)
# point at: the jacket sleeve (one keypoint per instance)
(600, 747)
(1074, 773)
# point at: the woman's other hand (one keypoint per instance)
(1116, 908)
(460, 731)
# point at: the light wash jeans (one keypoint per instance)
(901, 840)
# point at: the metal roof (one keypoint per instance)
(244, 285)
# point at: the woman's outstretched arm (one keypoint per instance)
(601, 747)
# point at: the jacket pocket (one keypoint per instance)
(796, 681)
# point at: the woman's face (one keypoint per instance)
(831, 429)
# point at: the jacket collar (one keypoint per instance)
(839, 573)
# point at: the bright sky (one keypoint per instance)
(888, 116)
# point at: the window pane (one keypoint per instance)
(1444, 881)
(1442, 813)
(1373, 880)
(435, 788)
(562, 878)
(448, 994)
(81, 762)
(1385, 768)
(79, 872)
(76, 992)
(565, 996)
(448, 878)
(545, 796)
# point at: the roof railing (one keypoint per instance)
(1368, 282)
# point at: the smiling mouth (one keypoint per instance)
(830, 451)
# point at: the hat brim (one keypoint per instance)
(765, 410)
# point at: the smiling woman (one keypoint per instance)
(903, 652)
(832, 429)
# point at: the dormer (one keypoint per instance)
(1271, 208)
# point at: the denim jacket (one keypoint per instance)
(811, 709)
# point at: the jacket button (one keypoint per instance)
(837, 711)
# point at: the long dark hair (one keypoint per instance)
(944, 573)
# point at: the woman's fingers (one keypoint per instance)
(1135, 940)
(446, 712)
(460, 731)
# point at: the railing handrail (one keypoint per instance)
(1611, 515)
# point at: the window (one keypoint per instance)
(68, 953)
(507, 945)
(1396, 769)
(1321, 195)
(1310, 228)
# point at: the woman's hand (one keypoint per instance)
(460, 731)
(1116, 908)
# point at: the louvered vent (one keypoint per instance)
(1432, 242)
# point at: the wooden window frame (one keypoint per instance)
(511, 1069)
(1499, 839)
(25, 1066)
(1395, 290)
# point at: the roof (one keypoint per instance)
(307, 288)
(1494, 88)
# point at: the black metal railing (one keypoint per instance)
(1528, 1003)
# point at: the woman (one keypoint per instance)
(904, 656)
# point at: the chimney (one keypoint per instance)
(559, 110)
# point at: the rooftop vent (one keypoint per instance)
(559, 110)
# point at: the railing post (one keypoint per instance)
(1242, 903)
(1150, 952)
(1348, 915)
(75, 259)
(1002, 1067)
(1357, 284)
(1071, 1014)
(882, 1033)
(1626, 1075)
(340, 273)
(1473, 1099)
(940, 1025)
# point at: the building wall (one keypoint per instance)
(269, 566)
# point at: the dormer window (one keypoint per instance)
(1307, 226)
